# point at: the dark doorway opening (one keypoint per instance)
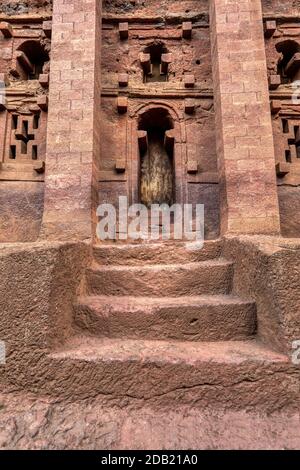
(288, 48)
(37, 56)
(157, 158)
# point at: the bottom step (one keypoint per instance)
(238, 374)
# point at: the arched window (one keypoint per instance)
(289, 63)
(155, 63)
(31, 57)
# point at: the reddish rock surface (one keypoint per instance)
(27, 423)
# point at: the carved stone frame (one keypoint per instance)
(180, 151)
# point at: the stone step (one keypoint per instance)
(202, 318)
(155, 253)
(235, 374)
(206, 277)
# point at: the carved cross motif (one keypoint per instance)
(23, 137)
(291, 131)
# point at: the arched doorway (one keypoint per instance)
(156, 182)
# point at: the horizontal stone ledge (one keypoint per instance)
(174, 93)
(282, 18)
(15, 171)
(29, 18)
(20, 177)
(34, 34)
(281, 182)
(198, 19)
(18, 92)
(32, 107)
(282, 94)
(156, 27)
(198, 178)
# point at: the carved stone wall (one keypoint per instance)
(282, 39)
(181, 31)
(154, 55)
(25, 46)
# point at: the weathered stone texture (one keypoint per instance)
(21, 210)
(27, 423)
(245, 146)
(289, 203)
(39, 295)
(165, 8)
(73, 123)
(281, 7)
(17, 7)
(268, 270)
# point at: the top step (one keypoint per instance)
(156, 253)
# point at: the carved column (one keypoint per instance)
(249, 202)
(73, 137)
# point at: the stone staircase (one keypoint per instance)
(159, 323)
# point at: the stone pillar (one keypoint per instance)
(73, 137)
(249, 202)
